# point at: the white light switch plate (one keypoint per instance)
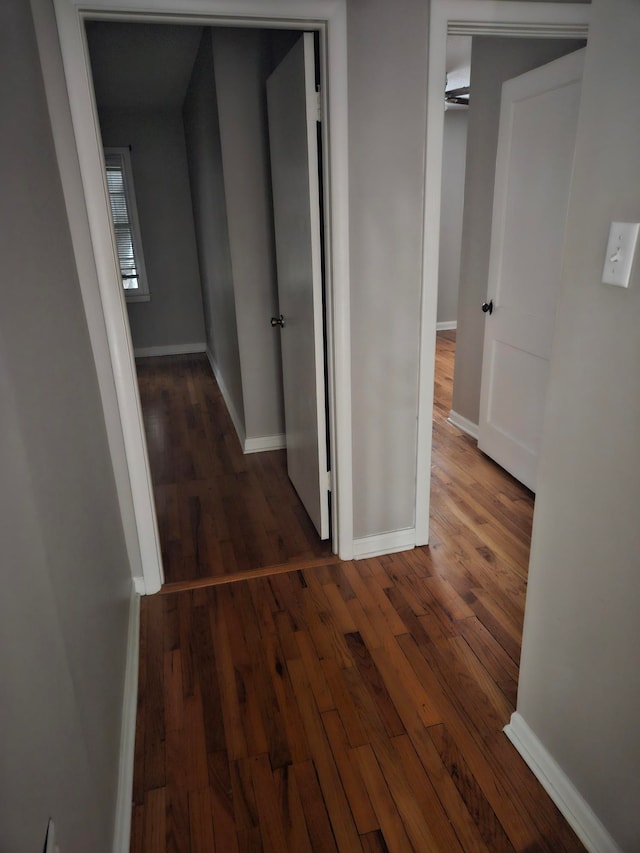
(620, 251)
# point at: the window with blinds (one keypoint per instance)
(126, 228)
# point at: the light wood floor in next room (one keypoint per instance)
(219, 511)
(356, 706)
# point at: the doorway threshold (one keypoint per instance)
(234, 577)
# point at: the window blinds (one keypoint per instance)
(121, 215)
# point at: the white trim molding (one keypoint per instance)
(446, 325)
(384, 543)
(108, 324)
(122, 827)
(463, 424)
(578, 813)
(233, 412)
(138, 585)
(463, 17)
(170, 349)
(265, 442)
(114, 323)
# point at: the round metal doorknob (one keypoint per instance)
(278, 321)
(487, 307)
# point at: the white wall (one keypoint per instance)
(66, 577)
(239, 58)
(204, 155)
(451, 212)
(174, 315)
(580, 679)
(493, 61)
(387, 45)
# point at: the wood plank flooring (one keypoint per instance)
(353, 706)
(219, 512)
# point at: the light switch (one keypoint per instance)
(620, 251)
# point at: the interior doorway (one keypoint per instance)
(492, 511)
(475, 190)
(107, 324)
(187, 105)
(480, 20)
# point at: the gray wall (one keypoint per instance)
(580, 680)
(493, 60)
(451, 213)
(174, 315)
(239, 58)
(66, 579)
(204, 155)
(387, 44)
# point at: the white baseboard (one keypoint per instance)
(384, 543)
(560, 788)
(265, 442)
(464, 424)
(446, 325)
(233, 414)
(122, 828)
(138, 585)
(170, 349)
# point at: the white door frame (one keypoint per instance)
(131, 467)
(462, 17)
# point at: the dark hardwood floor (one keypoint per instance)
(353, 706)
(219, 512)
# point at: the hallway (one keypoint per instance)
(351, 706)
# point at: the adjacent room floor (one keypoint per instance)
(219, 511)
(352, 706)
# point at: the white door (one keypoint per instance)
(293, 113)
(538, 122)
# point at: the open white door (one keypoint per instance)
(293, 112)
(538, 122)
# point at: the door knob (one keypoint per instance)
(487, 307)
(278, 321)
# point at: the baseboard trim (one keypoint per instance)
(139, 586)
(233, 414)
(122, 827)
(265, 442)
(384, 543)
(446, 325)
(560, 788)
(170, 349)
(464, 424)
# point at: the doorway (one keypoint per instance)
(467, 18)
(187, 106)
(470, 257)
(131, 466)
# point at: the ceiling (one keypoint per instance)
(141, 66)
(148, 66)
